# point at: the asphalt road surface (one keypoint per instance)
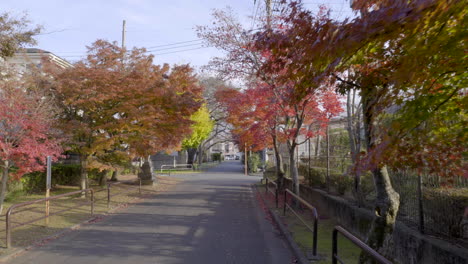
(209, 218)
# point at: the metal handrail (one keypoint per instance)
(314, 229)
(177, 165)
(274, 193)
(374, 254)
(10, 210)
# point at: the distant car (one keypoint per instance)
(237, 157)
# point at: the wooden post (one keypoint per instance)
(308, 165)
(328, 158)
(48, 185)
(420, 204)
(245, 159)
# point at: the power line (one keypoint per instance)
(175, 43)
(177, 51)
(149, 49)
(188, 45)
(181, 50)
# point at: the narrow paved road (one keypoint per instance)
(209, 218)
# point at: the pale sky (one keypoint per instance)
(70, 25)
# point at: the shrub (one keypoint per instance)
(254, 162)
(341, 182)
(317, 177)
(62, 174)
(216, 156)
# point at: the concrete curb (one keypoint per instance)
(291, 243)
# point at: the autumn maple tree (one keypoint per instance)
(403, 55)
(27, 134)
(116, 100)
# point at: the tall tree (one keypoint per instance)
(15, 33)
(201, 129)
(115, 100)
(27, 135)
(383, 42)
(242, 61)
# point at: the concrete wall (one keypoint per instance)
(410, 247)
(163, 158)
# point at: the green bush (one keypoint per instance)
(216, 156)
(254, 162)
(62, 174)
(341, 182)
(317, 177)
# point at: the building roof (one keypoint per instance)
(35, 55)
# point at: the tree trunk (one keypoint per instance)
(84, 172)
(354, 143)
(380, 236)
(103, 178)
(387, 200)
(278, 165)
(115, 175)
(200, 154)
(293, 168)
(191, 155)
(3, 191)
(317, 147)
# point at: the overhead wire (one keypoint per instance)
(175, 43)
(181, 50)
(149, 49)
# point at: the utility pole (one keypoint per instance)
(268, 11)
(123, 35)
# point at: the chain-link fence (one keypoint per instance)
(432, 204)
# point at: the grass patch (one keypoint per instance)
(347, 251)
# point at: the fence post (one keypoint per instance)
(92, 201)
(335, 246)
(276, 196)
(285, 200)
(139, 187)
(108, 195)
(315, 232)
(420, 203)
(266, 186)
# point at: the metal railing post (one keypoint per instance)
(276, 197)
(139, 186)
(356, 241)
(108, 195)
(285, 201)
(335, 247)
(266, 187)
(92, 201)
(8, 214)
(314, 250)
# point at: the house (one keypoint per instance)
(24, 59)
